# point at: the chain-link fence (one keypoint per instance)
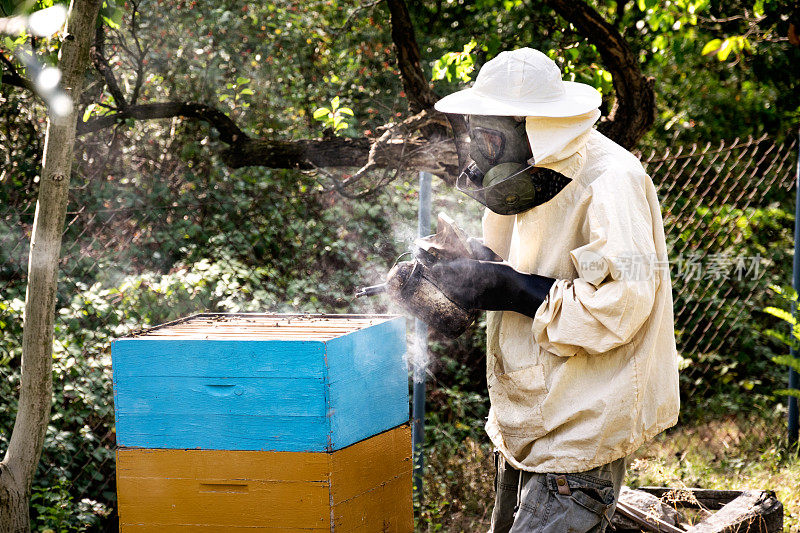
(728, 213)
(172, 248)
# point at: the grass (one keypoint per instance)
(734, 452)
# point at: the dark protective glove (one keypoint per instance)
(480, 251)
(491, 286)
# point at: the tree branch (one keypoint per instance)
(17, 81)
(351, 17)
(228, 130)
(140, 56)
(434, 156)
(101, 64)
(634, 109)
(13, 77)
(420, 95)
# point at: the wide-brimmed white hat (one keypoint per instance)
(522, 82)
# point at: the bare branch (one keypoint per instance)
(17, 81)
(228, 130)
(141, 52)
(13, 77)
(344, 28)
(101, 64)
(405, 130)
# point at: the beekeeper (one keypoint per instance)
(581, 360)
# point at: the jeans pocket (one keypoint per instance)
(579, 506)
(593, 493)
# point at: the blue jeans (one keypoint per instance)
(528, 502)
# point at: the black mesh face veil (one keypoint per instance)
(501, 174)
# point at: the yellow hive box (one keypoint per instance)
(364, 487)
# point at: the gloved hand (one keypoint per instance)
(491, 286)
(480, 251)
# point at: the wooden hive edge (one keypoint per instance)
(162, 331)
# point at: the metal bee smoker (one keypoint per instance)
(409, 284)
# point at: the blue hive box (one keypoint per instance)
(314, 383)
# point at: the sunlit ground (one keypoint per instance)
(732, 454)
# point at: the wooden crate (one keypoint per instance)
(364, 487)
(261, 382)
(717, 511)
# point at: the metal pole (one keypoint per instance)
(421, 334)
(793, 381)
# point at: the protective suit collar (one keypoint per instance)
(560, 143)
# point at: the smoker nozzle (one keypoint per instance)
(371, 291)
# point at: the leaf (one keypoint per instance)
(787, 293)
(88, 112)
(346, 111)
(711, 47)
(782, 314)
(660, 42)
(780, 336)
(788, 392)
(758, 8)
(335, 103)
(788, 360)
(242, 81)
(439, 70)
(111, 15)
(321, 112)
(724, 50)
(246, 91)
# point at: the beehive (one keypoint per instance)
(255, 422)
(261, 382)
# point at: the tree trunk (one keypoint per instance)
(25, 447)
(634, 109)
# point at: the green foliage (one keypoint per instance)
(111, 13)
(334, 117)
(237, 92)
(455, 65)
(754, 245)
(791, 340)
(723, 48)
(55, 510)
(459, 489)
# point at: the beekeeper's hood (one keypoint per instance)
(509, 155)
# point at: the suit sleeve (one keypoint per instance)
(613, 295)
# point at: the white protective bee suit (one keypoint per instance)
(594, 374)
